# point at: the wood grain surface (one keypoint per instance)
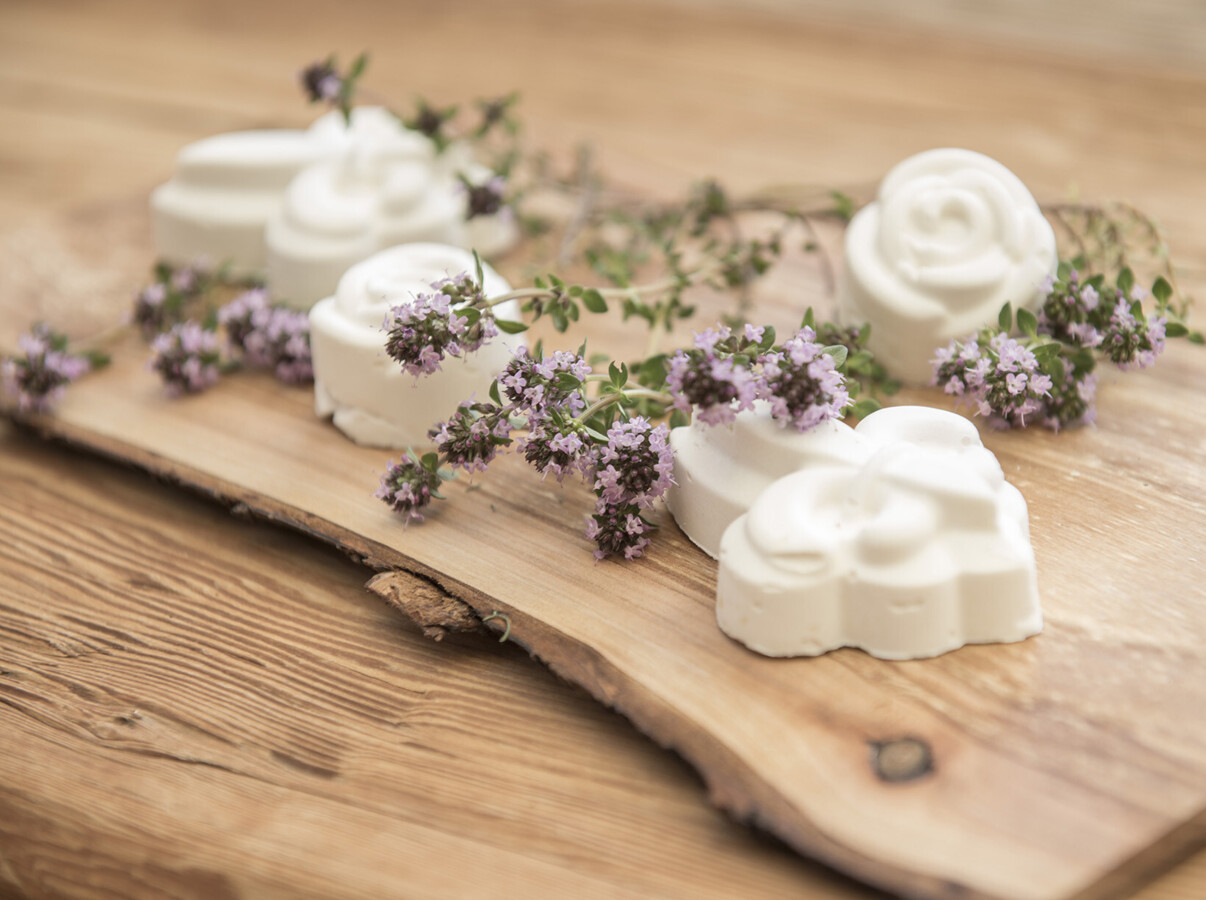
(96, 821)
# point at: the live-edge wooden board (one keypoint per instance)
(1071, 764)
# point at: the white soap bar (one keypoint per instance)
(917, 550)
(386, 189)
(366, 392)
(225, 188)
(952, 236)
(720, 470)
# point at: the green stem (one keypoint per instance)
(611, 399)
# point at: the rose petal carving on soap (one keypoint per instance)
(921, 548)
(952, 236)
(367, 394)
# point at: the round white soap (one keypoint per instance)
(366, 392)
(951, 237)
(922, 548)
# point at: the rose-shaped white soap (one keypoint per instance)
(366, 392)
(719, 470)
(226, 188)
(921, 549)
(952, 236)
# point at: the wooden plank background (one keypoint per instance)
(95, 114)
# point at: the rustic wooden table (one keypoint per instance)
(196, 706)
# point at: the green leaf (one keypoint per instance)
(479, 274)
(1175, 330)
(1063, 270)
(494, 395)
(560, 321)
(1126, 280)
(810, 319)
(618, 375)
(356, 69)
(507, 326)
(768, 338)
(1005, 317)
(98, 359)
(1161, 289)
(567, 381)
(865, 407)
(430, 461)
(571, 310)
(838, 352)
(843, 205)
(1195, 337)
(471, 314)
(594, 301)
(652, 371)
(1028, 322)
(678, 419)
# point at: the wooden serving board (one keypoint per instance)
(1072, 764)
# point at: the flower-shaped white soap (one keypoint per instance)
(370, 398)
(952, 236)
(919, 550)
(226, 188)
(720, 470)
(387, 188)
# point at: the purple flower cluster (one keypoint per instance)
(1130, 341)
(320, 82)
(633, 469)
(1001, 378)
(534, 386)
(160, 304)
(557, 449)
(269, 337)
(802, 383)
(1104, 318)
(716, 385)
(39, 377)
(473, 436)
(725, 373)
(186, 358)
(425, 330)
(485, 199)
(1071, 401)
(410, 484)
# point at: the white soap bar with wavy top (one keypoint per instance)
(912, 551)
(225, 188)
(720, 470)
(368, 395)
(951, 237)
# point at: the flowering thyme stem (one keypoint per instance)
(610, 399)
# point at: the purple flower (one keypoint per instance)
(1071, 402)
(40, 377)
(410, 484)
(718, 387)
(616, 529)
(269, 337)
(473, 436)
(1001, 380)
(557, 449)
(802, 383)
(1130, 342)
(321, 82)
(636, 465)
(422, 332)
(186, 358)
(537, 386)
(485, 199)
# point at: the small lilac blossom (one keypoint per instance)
(242, 317)
(422, 332)
(463, 291)
(617, 529)
(40, 377)
(186, 358)
(558, 450)
(802, 383)
(321, 82)
(473, 436)
(407, 486)
(636, 465)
